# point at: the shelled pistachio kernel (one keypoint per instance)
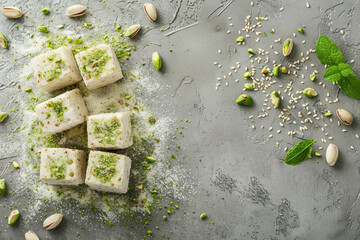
(203, 216)
(317, 154)
(284, 70)
(300, 30)
(247, 75)
(244, 99)
(30, 235)
(310, 92)
(275, 71)
(287, 47)
(240, 39)
(327, 114)
(15, 164)
(3, 115)
(156, 59)
(14, 215)
(249, 86)
(264, 70)
(150, 159)
(251, 51)
(2, 186)
(332, 153)
(312, 77)
(45, 11)
(3, 41)
(275, 99)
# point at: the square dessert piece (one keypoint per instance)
(108, 172)
(109, 131)
(55, 69)
(62, 166)
(62, 112)
(99, 66)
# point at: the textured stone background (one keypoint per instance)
(263, 197)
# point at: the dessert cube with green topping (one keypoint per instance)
(55, 69)
(109, 131)
(99, 66)
(108, 172)
(62, 112)
(62, 166)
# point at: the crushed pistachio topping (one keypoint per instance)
(57, 108)
(95, 62)
(107, 131)
(58, 167)
(54, 69)
(105, 169)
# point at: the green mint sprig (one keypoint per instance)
(338, 71)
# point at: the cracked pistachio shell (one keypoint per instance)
(53, 221)
(310, 92)
(287, 47)
(150, 11)
(14, 215)
(30, 235)
(244, 99)
(76, 10)
(132, 30)
(11, 12)
(3, 41)
(275, 99)
(156, 59)
(345, 116)
(332, 154)
(3, 115)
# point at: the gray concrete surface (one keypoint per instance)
(263, 198)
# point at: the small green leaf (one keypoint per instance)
(350, 85)
(327, 51)
(299, 152)
(332, 74)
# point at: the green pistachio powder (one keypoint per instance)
(105, 170)
(107, 131)
(141, 193)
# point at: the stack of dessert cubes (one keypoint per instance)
(98, 67)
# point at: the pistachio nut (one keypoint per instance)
(249, 86)
(332, 153)
(287, 47)
(240, 39)
(60, 26)
(247, 75)
(43, 28)
(132, 30)
(275, 99)
(300, 30)
(3, 115)
(275, 71)
(76, 11)
(11, 12)
(30, 235)
(150, 11)
(265, 70)
(327, 114)
(310, 92)
(53, 221)
(15, 164)
(150, 159)
(344, 116)
(2, 186)
(14, 215)
(284, 70)
(3, 41)
(317, 154)
(45, 11)
(156, 59)
(244, 99)
(312, 77)
(251, 51)
(203, 216)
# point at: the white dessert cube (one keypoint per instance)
(62, 112)
(62, 166)
(55, 69)
(109, 131)
(99, 66)
(108, 172)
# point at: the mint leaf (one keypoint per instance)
(332, 74)
(349, 84)
(299, 152)
(327, 51)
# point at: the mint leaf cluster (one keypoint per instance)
(299, 152)
(338, 71)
